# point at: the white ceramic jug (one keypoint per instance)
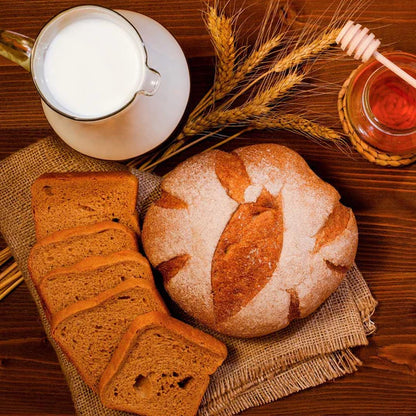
(131, 127)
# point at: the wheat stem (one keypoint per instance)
(5, 255)
(5, 282)
(255, 58)
(8, 271)
(206, 101)
(228, 139)
(180, 149)
(11, 288)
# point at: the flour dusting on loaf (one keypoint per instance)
(265, 240)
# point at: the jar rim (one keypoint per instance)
(369, 112)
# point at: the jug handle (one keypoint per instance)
(16, 47)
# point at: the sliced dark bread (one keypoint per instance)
(67, 247)
(66, 200)
(161, 367)
(88, 278)
(89, 331)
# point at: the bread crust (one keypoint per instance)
(58, 236)
(66, 234)
(91, 303)
(95, 262)
(307, 272)
(90, 264)
(72, 177)
(99, 175)
(154, 319)
(84, 305)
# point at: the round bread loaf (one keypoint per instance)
(248, 241)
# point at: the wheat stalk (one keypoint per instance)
(174, 150)
(256, 57)
(16, 283)
(229, 72)
(220, 29)
(306, 52)
(257, 106)
(11, 277)
(298, 124)
(5, 255)
(222, 35)
(4, 283)
(293, 59)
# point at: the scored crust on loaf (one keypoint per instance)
(246, 255)
(66, 200)
(161, 367)
(67, 247)
(232, 174)
(177, 232)
(316, 242)
(89, 331)
(66, 285)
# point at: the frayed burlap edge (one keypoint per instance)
(276, 384)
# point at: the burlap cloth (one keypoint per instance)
(309, 352)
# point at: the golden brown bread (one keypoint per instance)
(89, 277)
(67, 247)
(66, 200)
(161, 367)
(89, 331)
(102, 288)
(250, 240)
(246, 254)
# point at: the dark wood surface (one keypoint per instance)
(383, 199)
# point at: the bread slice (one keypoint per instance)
(161, 367)
(88, 278)
(66, 200)
(89, 331)
(67, 247)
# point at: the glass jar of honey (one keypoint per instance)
(381, 107)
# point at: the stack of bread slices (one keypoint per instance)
(99, 295)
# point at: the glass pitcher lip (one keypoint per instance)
(57, 110)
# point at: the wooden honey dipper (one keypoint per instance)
(356, 40)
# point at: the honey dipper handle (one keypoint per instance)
(356, 41)
(394, 68)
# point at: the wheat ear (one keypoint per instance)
(257, 56)
(293, 59)
(222, 35)
(220, 29)
(253, 60)
(257, 106)
(298, 124)
(306, 52)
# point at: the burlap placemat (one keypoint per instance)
(309, 352)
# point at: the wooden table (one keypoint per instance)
(383, 199)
